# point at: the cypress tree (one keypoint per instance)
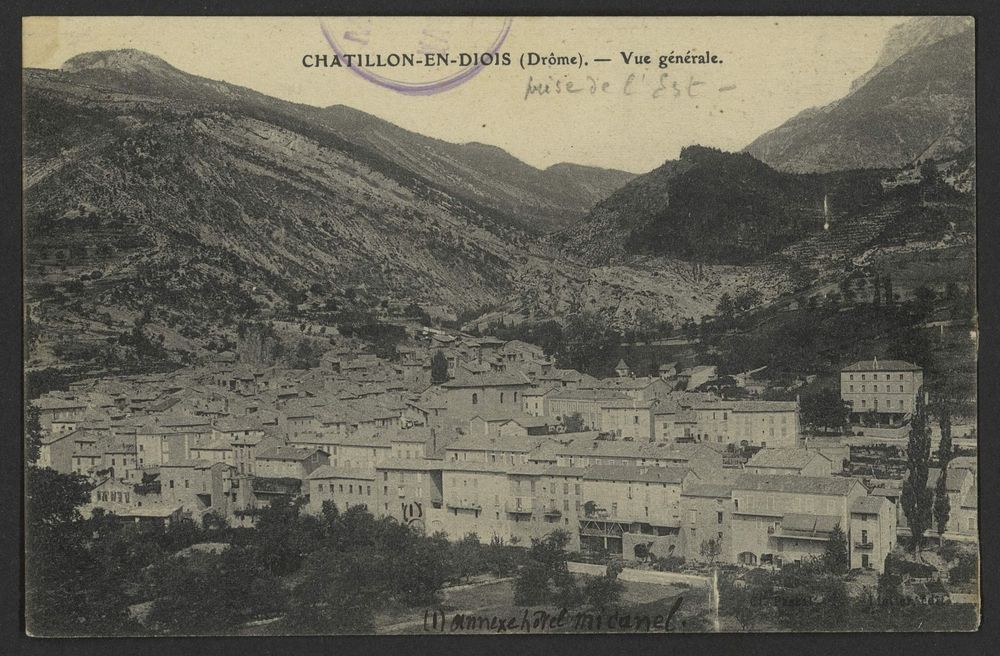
(439, 368)
(942, 506)
(836, 556)
(916, 498)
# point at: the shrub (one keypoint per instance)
(901, 567)
(966, 570)
(668, 564)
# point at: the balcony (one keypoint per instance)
(520, 506)
(464, 504)
(864, 545)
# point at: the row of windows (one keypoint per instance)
(888, 404)
(693, 517)
(350, 488)
(875, 388)
(795, 504)
(475, 398)
(875, 376)
(116, 497)
(402, 476)
(187, 484)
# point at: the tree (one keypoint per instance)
(281, 538)
(574, 423)
(306, 355)
(889, 593)
(747, 298)
(924, 297)
(824, 409)
(847, 291)
(646, 324)
(725, 308)
(213, 521)
(232, 589)
(544, 577)
(836, 556)
(588, 339)
(942, 504)
(744, 602)
(69, 590)
(418, 568)
(710, 549)
(916, 498)
(604, 592)
(929, 175)
(32, 435)
(467, 557)
(337, 594)
(499, 558)
(439, 368)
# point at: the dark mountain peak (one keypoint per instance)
(355, 118)
(128, 60)
(707, 155)
(715, 206)
(485, 148)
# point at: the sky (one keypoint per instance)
(771, 69)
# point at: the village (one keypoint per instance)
(476, 435)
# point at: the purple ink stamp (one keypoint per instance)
(411, 61)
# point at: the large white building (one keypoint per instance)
(888, 388)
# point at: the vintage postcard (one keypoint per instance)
(499, 325)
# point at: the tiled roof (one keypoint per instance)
(569, 472)
(487, 379)
(414, 464)
(955, 481)
(674, 475)
(588, 395)
(710, 490)
(971, 498)
(870, 505)
(326, 471)
(765, 406)
(285, 453)
(826, 485)
(882, 365)
(49, 403)
(783, 458)
(808, 525)
(508, 443)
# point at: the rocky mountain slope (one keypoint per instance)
(711, 223)
(191, 205)
(916, 32)
(535, 200)
(712, 206)
(917, 102)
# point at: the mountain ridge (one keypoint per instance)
(919, 104)
(488, 176)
